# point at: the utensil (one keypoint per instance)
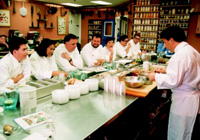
(134, 81)
(23, 10)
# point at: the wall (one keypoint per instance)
(193, 38)
(22, 23)
(84, 25)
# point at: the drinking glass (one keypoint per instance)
(9, 100)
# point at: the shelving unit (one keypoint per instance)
(45, 24)
(94, 27)
(146, 20)
(174, 13)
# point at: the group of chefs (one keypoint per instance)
(181, 76)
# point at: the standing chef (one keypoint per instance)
(183, 78)
(15, 67)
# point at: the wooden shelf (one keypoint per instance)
(146, 24)
(94, 24)
(42, 19)
(147, 5)
(144, 31)
(148, 37)
(148, 43)
(174, 15)
(36, 27)
(147, 12)
(49, 27)
(145, 18)
(174, 6)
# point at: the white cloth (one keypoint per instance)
(62, 63)
(91, 54)
(10, 67)
(42, 67)
(107, 53)
(120, 50)
(134, 50)
(183, 78)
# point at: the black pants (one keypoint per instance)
(196, 129)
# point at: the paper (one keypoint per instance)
(31, 120)
(123, 61)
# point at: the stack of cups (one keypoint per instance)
(146, 66)
(113, 85)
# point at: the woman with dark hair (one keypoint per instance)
(43, 62)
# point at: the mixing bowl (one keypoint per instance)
(134, 81)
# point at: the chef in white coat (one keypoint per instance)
(43, 62)
(108, 51)
(182, 76)
(92, 52)
(67, 55)
(121, 47)
(15, 67)
(135, 47)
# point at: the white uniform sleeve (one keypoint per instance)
(62, 62)
(26, 71)
(5, 79)
(120, 51)
(174, 77)
(87, 56)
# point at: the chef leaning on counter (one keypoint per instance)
(182, 76)
(15, 67)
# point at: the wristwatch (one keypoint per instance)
(70, 60)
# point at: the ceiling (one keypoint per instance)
(87, 3)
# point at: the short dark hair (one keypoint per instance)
(42, 48)
(3, 36)
(109, 39)
(123, 37)
(96, 35)
(15, 42)
(136, 35)
(174, 32)
(69, 36)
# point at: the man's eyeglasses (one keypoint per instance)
(137, 38)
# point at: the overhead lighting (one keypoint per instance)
(72, 4)
(101, 2)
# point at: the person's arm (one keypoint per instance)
(62, 62)
(120, 51)
(87, 56)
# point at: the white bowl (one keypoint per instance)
(93, 84)
(74, 91)
(84, 87)
(60, 96)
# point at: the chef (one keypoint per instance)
(135, 47)
(43, 62)
(182, 76)
(67, 55)
(15, 67)
(92, 52)
(121, 47)
(108, 51)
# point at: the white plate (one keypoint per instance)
(123, 61)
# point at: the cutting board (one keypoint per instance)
(142, 91)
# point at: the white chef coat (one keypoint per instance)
(134, 50)
(42, 67)
(183, 78)
(62, 63)
(107, 53)
(91, 54)
(120, 50)
(10, 67)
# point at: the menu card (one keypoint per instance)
(31, 120)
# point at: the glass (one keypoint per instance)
(25, 107)
(9, 100)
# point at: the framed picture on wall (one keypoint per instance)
(4, 17)
(61, 25)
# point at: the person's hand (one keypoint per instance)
(151, 76)
(128, 47)
(57, 73)
(65, 55)
(97, 63)
(160, 70)
(18, 78)
(101, 61)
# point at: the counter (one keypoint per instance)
(78, 118)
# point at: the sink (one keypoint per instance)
(45, 87)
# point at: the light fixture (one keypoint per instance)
(71, 4)
(101, 2)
